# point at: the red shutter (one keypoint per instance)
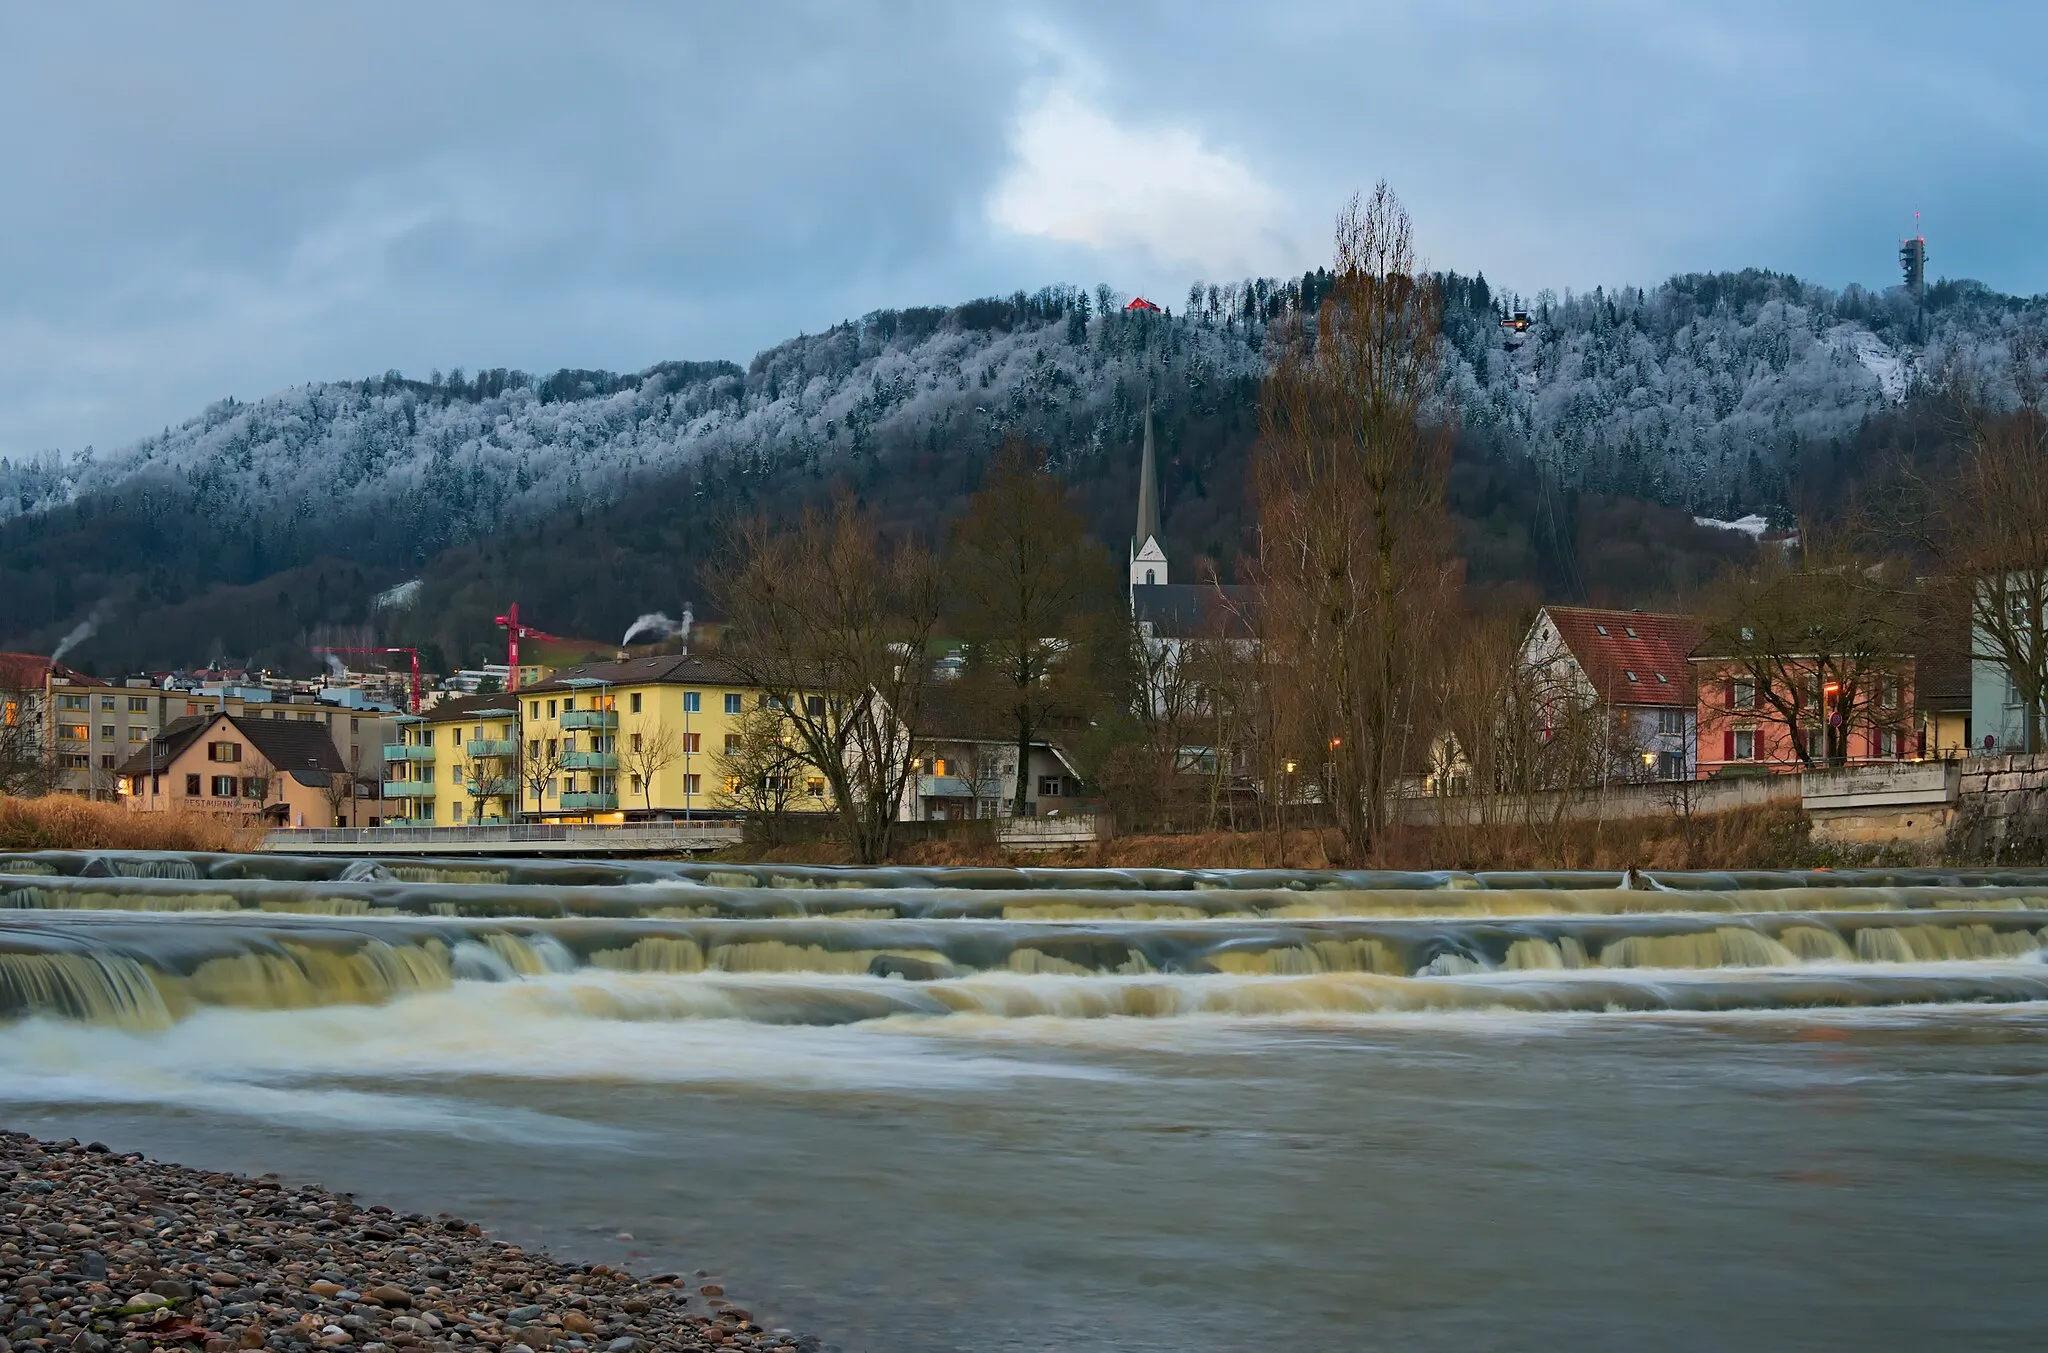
(1728, 744)
(1728, 694)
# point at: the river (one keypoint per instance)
(912, 1110)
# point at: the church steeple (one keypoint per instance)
(1148, 558)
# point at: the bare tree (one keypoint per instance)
(1024, 575)
(758, 771)
(648, 752)
(1353, 537)
(834, 625)
(539, 763)
(1987, 525)
(26, 766)
(340, 792)
(1815, 650)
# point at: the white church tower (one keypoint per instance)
(1148, 558)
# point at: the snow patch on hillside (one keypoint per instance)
(1892, 367)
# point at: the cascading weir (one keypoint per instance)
(143, 941)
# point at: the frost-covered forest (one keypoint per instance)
(1704, 393)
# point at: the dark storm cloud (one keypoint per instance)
(210, 199)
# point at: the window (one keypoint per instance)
(455, 775)
(732, 704)
(814, 705)
(1630, 631)
(1662, 680)
(732, 744)
(223, 751)
(1602, 629)
(551, 789)
(106, 732)
(254, 787)
(456, 811)
(732, 784)
(693, 743)
(355, 725)
(192, 786)
(691, 702)
(1745, 744)
(1742, 693)
(1631, 676)
(75, 761)
(815, 786)
(938, 765)
(74, 702)
(533, 709)
(533, 748)
(138, 735)
(1887, 742)
(138, 704)
(636, 784)
(636, 702)
(636, 742)
(106, 763)
(568, 704)
(225, 787)
(1150, 577)
(551, 709)
(693, 784)
(1671, 722)
(74, 732)
(1671, 765)
(1051, 787)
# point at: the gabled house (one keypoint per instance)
(964, 767)
(1634, 667)
(284, 771)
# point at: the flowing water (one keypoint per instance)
(1090, 1109)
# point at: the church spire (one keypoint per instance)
(1148, 490)
(1148, 556)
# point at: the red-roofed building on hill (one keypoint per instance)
(1635, 666)
(1141, 304)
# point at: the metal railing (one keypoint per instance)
(590, 760)
(623, 835)
(406, 751)
(590, 718)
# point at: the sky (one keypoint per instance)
(211, 199)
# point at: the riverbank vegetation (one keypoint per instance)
(65, 822)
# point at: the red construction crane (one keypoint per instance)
(414, 653)
(514, 632)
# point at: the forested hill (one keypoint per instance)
(257, 527)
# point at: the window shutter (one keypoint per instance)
(1728, 697)
(1727, 744)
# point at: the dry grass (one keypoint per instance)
(65, 822)
(1746, 838)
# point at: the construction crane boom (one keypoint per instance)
(514, 632)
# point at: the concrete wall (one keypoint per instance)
(2003, 808)
(1613, 803)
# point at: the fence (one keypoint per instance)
(629, 838)
(1609, 803)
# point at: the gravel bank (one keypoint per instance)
(102, 1252)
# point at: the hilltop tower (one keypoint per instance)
(1148, 558)
(1913, 260)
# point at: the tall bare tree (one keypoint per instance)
(1024, 577)
(1988, 529)
(647, 753)
(26, 766)
(834, 624)
(1353, 537)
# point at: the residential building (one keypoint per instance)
(1743, 729)
(1633, 667)
(653, 737)
(285, 772)
(456, 764)
(965, 769)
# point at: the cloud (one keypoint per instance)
(1078, 177)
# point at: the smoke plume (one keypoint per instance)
(80, 632)
(660, 626)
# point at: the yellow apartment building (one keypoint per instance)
(646, 737)
(455, 765)
(600, 742)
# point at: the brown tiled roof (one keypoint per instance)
(1632, 657)
(673, 669)
(300, 748)
(27, 671)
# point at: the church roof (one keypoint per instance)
(1194, 610)
(1140, 303)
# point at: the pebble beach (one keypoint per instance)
(103, 1251)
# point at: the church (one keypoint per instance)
(1166, 611)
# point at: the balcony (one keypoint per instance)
(590, 760)
(407, 789)
(591, 718)
(491, 747)
(405, 751)
(589, 803)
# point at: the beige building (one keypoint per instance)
(283, 771)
